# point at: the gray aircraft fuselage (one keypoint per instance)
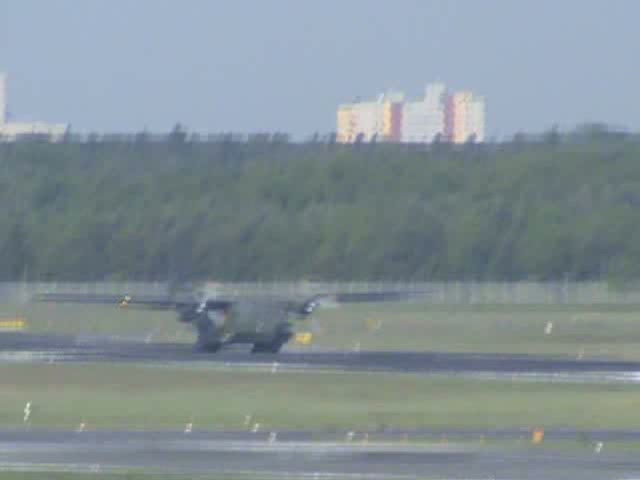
(266, 324)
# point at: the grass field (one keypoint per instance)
(99, 320)
(127, 397)
(147, 398)
(585, 331)
(575, 330)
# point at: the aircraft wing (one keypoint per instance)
(389, 296)
(139, 301)
(306, 307)
(302, 307)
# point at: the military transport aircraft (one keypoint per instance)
(266, 323)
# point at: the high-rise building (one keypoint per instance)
(346, 124)
(360, 121)
(422, 121)
(367, 121)
(457, 118)
(465, 118)
(392, 120)
(3, 98)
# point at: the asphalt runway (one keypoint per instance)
(263, 456)
(30, 348)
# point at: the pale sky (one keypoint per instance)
(284, 65)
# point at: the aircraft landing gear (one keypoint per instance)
(273, 347)
(210, 347)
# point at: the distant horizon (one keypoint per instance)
(160, 135)
(286, 65)
(491, 138)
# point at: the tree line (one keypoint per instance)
(257, 210)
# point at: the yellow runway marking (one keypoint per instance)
(12, 324)
(304, 338)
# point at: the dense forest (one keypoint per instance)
(266, 209)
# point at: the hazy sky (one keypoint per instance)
(266, 65)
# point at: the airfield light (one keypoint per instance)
(27, 412)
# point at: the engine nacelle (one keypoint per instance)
(188, 313)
